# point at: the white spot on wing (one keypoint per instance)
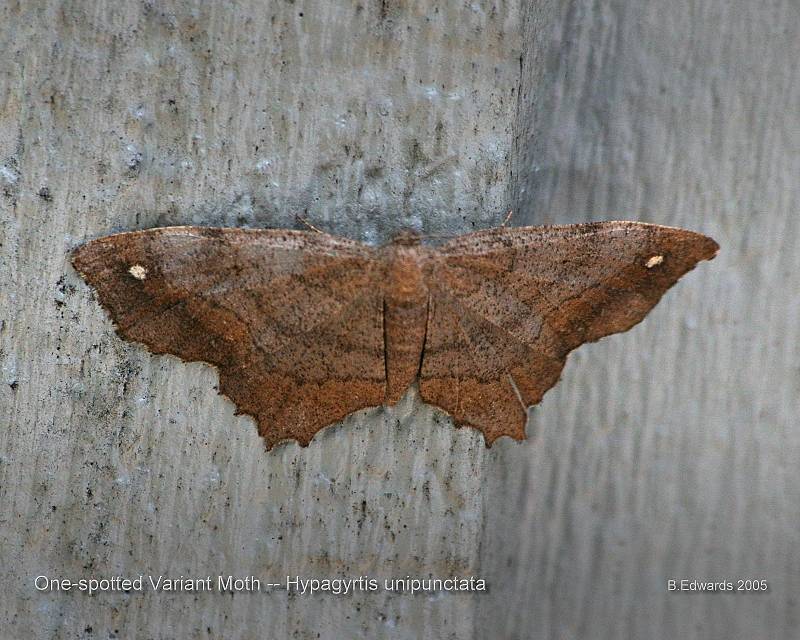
(138, 272)
(654, 262)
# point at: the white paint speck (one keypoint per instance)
(138, 271)
(431, 93)
(213, 476)
(414, 221)
(371, 236)
(263, 165)
(9, 371)
(322, 478)
(8, 175)
(138, 111)
(133, 156)
(390, 622)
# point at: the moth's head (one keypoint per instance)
(406, 238)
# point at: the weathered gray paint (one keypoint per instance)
(670, 451)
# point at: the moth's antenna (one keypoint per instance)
(308, 224)
(453, 235)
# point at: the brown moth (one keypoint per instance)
(306, 328)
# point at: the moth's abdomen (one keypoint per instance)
(405, 313)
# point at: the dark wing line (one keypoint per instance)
(207, 296)
(468, 311)
(325, 323)
(354, 249)
(475, 314)
(472, 356)
(287, 276)
(503, 377)
(539, 290)
(526, 347)
(595, 229)
(545, 317)
(256, 345)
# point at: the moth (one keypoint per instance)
(306, 328)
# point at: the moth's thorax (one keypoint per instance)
(406, 238)
(405, 313)
(404, 271)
